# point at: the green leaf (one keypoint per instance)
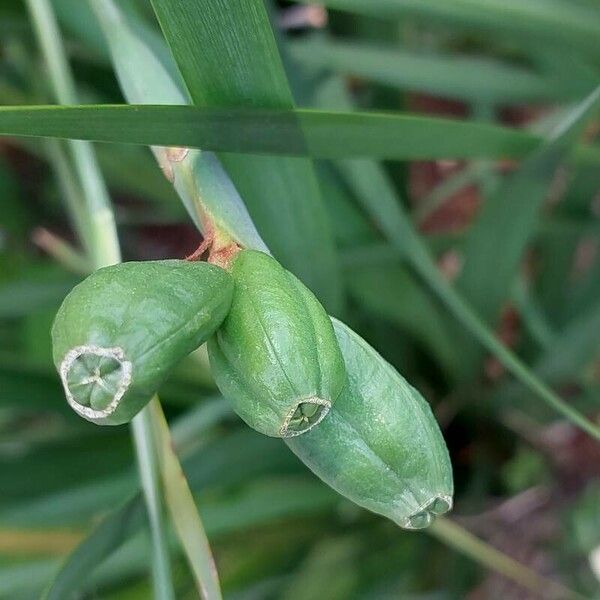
(28, 295)
(297, 132)
(448, 75)
(230, 460)
(377, 196)
(391, 291)
(109, 535)
(183, 511)
(83, 503)
(554, 21)
(565, 359)
(507, 219)
(104, 246)
(495, 244)
(227, 56)
(148, 74)
(455, 536)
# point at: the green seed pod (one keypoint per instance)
(380, 446)
(121, 331)
(276, 356)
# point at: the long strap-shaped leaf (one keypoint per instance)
(379, 200)
(147, 74)
(453, 535)
(105, 251)
(183, 511)
(127, 519)
(507, 220)
(156, 456)
(104, 243)
(448, 75)
(227, 56)
(320, 134)
(115, 529)
(552, 20)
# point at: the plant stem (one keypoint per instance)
(184, 514)
(103, 231)
(472, 173)
(147, 458)
(379, 201)
(202, 184)
(471, 320)
(55, 153)
(61, 251)
(106, 251)
(459, 538)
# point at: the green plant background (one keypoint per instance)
(452, 193)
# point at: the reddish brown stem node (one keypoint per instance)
(201, 249)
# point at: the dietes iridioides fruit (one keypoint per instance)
(276, 356)
(121, 331)
(380, 445)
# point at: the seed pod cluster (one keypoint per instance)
(276, 356)
(380, 445)
(274, 352)
(120, 332)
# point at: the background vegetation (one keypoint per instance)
(407, 226)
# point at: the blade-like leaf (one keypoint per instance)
(571, 351)
(378, 198)
(227, 55)
(495, 243)
(105, 250)
(110, 534)
(551, 20)
(454, 76)
(102, 229)
(298, 132)
(231, 460)
(148, 74)
(183, 511)
(393, 293)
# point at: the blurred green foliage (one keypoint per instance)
(526, 254)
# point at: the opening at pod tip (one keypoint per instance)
(426, 515)
(304, 416)
(95, 379)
